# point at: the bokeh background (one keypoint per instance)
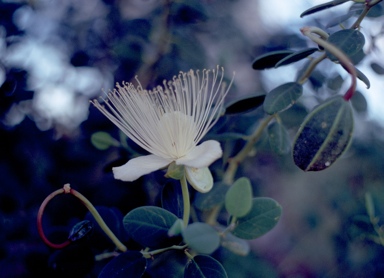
(56, 55)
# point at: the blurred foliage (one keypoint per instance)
(331, 223)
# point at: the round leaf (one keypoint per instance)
(349, 41)
(238, 200)
(201, 237)
(324, 135)
(264, 215)
(149, 226)
(202, 266)
(270, 59)
(128, 264)
(282, 97)
(278, 138)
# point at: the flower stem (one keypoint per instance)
(99, 220)
(40, 221)
(186, 201)
(68, 190)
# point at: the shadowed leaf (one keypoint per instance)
(296, 56)
(202, 266)
(270, 59)
(324, 135)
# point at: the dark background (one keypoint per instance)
(56, 55)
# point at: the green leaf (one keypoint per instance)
(270, 59)
(278, 138)
(334, 83)
(201, 237)
(149, 226)
(128, 264)
(363, 78)
(323, 6)
(245, 104)
(379, 69)
(359, 103)
(349, 41)
(203, 266)
(282, 97)
(238, 200)
(176, 228)
(296, 56)
(324, 135)
(102, 140)
(206, 201)
(264, 215)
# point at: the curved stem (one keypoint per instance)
(99, 220)
(40, 221)
(186, 201)
(68, 190)
(343, 59)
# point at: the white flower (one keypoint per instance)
(169, 122)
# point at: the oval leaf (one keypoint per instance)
(270, 59)
(278, 138)
(80, 230)
(323, 6)
(264, 215)
(324, 135)
(238, 200)
(349, 41)
(202, 266)
(282, 97)
(359, 103)
(149, 226)
(297, 56)
(128, 264)
(103, 140)
(201, 237)
(244, 105)
(379, 69)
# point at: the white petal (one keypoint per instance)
(139, 166)
(202, 155)
(200, 178)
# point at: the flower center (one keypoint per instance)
(177, 132)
